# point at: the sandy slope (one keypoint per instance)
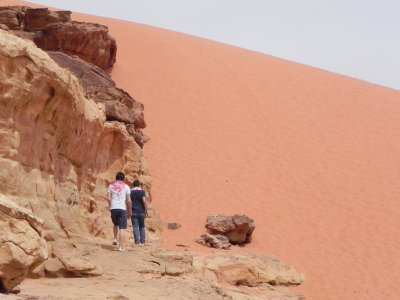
(313, 157)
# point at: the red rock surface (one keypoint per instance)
(99, 86)
(238, 228)
(54, 30)
(91, 42)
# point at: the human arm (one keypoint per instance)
(128, 204)
(109, 197)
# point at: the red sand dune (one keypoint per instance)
(312, 156)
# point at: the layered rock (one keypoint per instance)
(38, 18)
(31, 19)
(58, 152)
(248, 270)
(99, 86)
(91, 42)
(11, 17)
(150, 272)
(22, 246)
(54, 30)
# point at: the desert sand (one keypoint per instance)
(312, 156)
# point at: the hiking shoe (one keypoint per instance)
(114, 242)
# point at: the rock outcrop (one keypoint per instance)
(248, 270)
(54, 30)
(11, 17)
(149, 272)
(91, 42)
(238, 228)
(37, 19)
(22, 246)
(58, 152)
(99, 86)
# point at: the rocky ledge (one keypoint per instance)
(54, 30)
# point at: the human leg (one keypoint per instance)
(115, 221)
(142, 229)
(135, 225)
(115, 232)
(121, 229)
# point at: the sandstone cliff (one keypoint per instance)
(57, 151)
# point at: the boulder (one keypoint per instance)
(89, 41)
(22, 246)
(238, 228)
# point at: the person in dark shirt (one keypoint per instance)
(139, 212)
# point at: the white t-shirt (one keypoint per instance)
(118, 190)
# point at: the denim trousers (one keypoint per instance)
(139, 231)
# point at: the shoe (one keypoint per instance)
(114, 242)
(120, 249)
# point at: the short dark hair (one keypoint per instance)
(120, 176)
(136, 183)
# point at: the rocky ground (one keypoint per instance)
(150, 272)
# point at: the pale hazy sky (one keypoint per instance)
(358, 38)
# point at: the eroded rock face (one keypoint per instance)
(89, 41)
(238, 228)
(38, 18)
(22, 246)
(58, 152)
(11, 17)
(99, 86)
(54, 30)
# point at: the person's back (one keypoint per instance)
(118, 201)
(139, 212)
(137, 201)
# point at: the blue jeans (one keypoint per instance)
(139, 231)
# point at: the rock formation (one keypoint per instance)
(238, 229)
(54, 30)
(91, 42)
(22, 246)
(99, 86)
(248, 270)
(150, 272)
(57, 150)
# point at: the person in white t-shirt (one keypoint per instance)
(119, 203)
